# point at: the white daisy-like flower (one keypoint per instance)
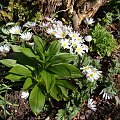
(15, 30)
(89, 21)
(58, 23)
(105, 94)
(93, 74)
(88, 38)
(86, 69)
(79, 50)
(30, 24)
(68, 29)
(60, 33)
(45, 25)
(51, 31)
(91, 105)
(4, 48)
(26, 36)
(65, 43)
(24, 95)
(74, 35)
(74, 42)
(80, 39)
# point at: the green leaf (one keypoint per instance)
(8, 62)
(14, 77)
(36, 100)
(64, 91)
(15, 48)
(28, 83)
(56, 93)
(49, 80)
(25, 60)
(65, 84)
(65, 70)
(39, 43)
(20, 70)
(28, 52)
(54, 48)
(63, 57)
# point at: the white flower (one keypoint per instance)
(80, 39)
(51, 31)
(93, 74)
(29, 24)
(44, 25)
(5, 48)
(15, 30)
(88, 38)
(58, 23)
(68, 29)
(86, 69)
(79, 50)
(65, 43)
(85, 47)
(60, 33)
(26, 36)
(89, 21)
(106, 94)
(74, 42)
(31, 43)
(24, 95)
(74, 35)
(91, 105)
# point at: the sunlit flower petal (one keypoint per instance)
(15, 30)
(91, 105)
(26, 36)
(24, 95)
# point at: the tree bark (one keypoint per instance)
(80, 9)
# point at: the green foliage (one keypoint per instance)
(36, 100)
(108, 19)
(45, 71)
(19, 10)
(115, 67)
(104, 43)
(3, 102)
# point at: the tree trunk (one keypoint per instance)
(78, 8)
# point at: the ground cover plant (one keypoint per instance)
(53, 67)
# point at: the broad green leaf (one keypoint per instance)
(54, 48)
(56, 93)
(8, 62)
(49, 80)
(60, 70)
(39, 43)
(25, 60)
(20, 70)
(14, 77)
(28, 52)
(65, 70)
(36, 100)
(64, 91)
(28, 83)
(15, 48)
(63, 57)
(65, 84)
